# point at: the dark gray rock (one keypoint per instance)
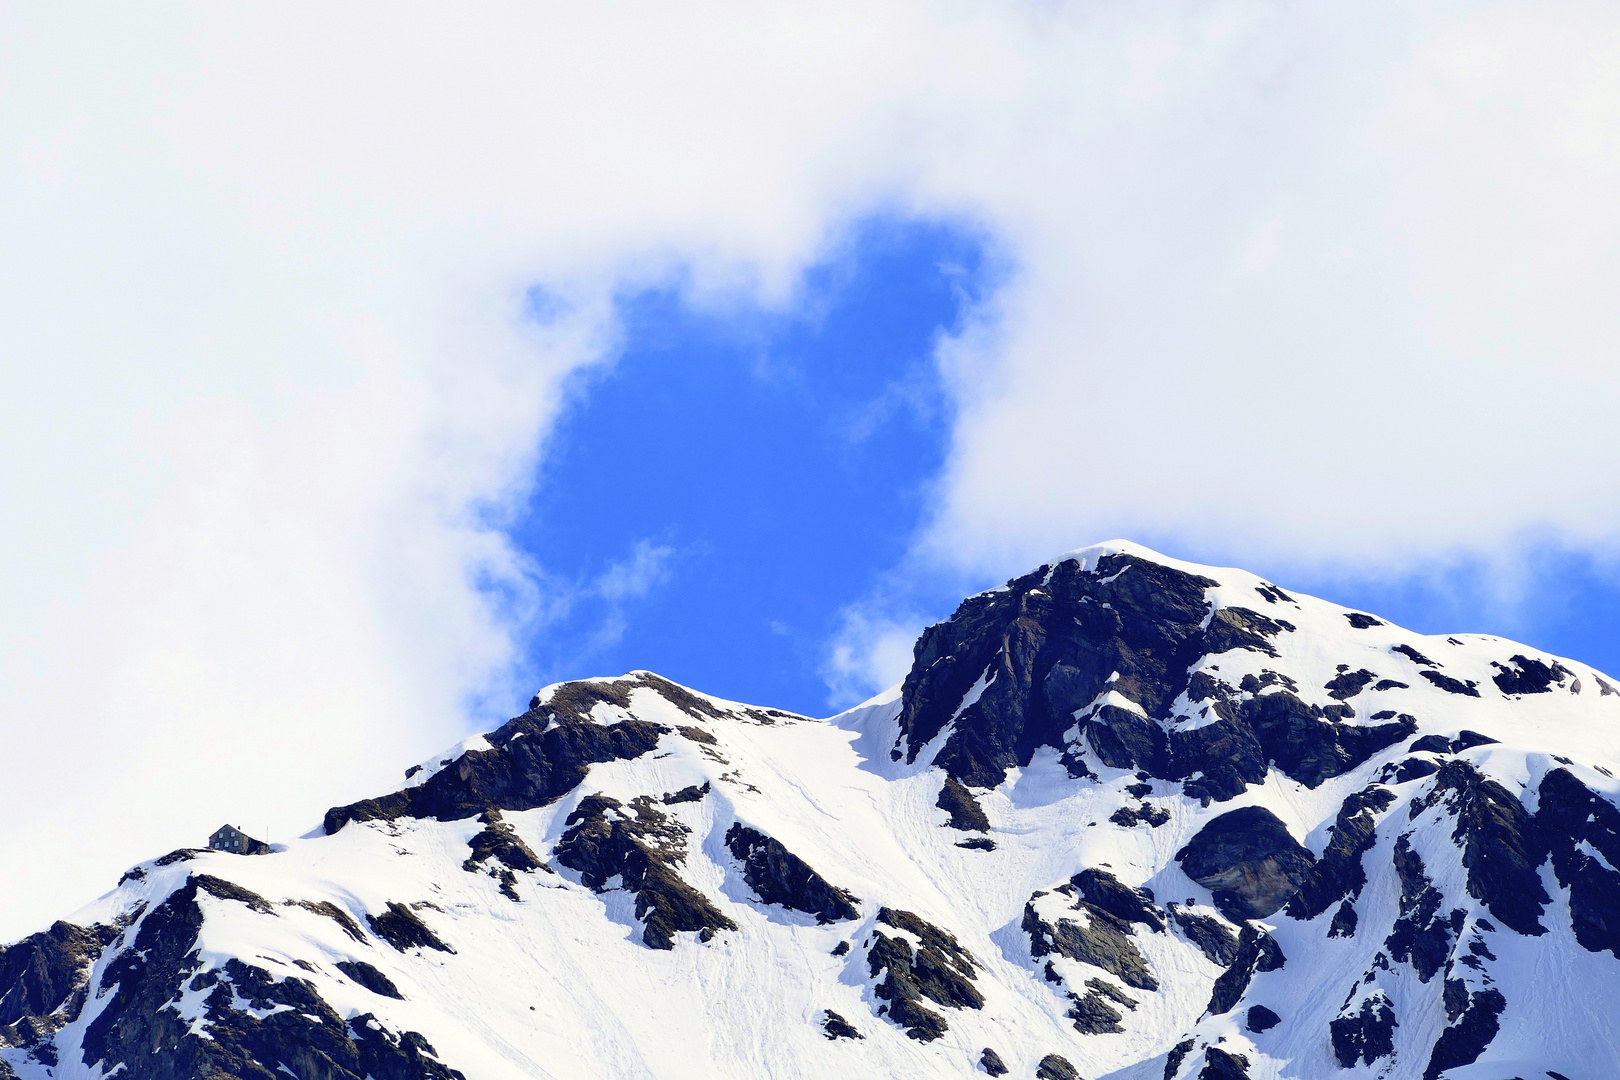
(1221, 1065)
(1105, 942)
(1344, 921)
(1500, 845)
(1469, 739)
(691, 793)
(1103, 890)
(778, 876)
(1054, 641)
(1178, 1054)
(331, 911)
(1092, 1012)
(1092, 1015)
(958, 801)
(836, 1027)
(1123, 739)
(644, 847)
(977, 843)
(1260, 1018)
(1056, 1067)
(1130, 816)
(369, 977)
(1413, 655)
(1367, 1034)
(497, 841)
(141, 1030)
(1210, 934)
(535, 759)
(1527, 676)
(1248, 860)
(43, 976)
(230, 890)
(1465, 1040)
(401, 928)
(1362, 622)
(1570, 814)
(1347, 684)
(1053, 645)
(1227, 754)
(1421, 936)
(1274, 595)
(1338, 875)
(1256, 952)
(1413, 768)
(938, 969)
(1450, 685)
(991, 1062)
(1308, 746)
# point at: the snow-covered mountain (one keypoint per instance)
(1126, 817)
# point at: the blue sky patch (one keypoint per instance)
(714, 498)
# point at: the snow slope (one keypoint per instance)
(616, 816)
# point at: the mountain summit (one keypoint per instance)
(1126, 817)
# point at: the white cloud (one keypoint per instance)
(628, 579)
(1335, 280)
(871, 651)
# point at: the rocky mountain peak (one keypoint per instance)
(1127, 817)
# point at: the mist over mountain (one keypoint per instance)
(1126, 817)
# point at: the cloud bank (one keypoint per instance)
(1317, 279)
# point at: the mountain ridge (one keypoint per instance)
(1127, 816)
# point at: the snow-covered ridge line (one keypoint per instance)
(1127, 817)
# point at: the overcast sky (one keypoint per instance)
(317, 321)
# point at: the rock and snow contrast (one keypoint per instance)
(1126, 817)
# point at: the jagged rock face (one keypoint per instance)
(1110, 652)
(1049, 645)
(43, 978)
(285, 1025)
(1366, 1035)
(536, 758)
(778, 876)
(924, 962)
(1338, 876)
(1249, 861)
(642, 848)
(1581, 830)
(1102, 778)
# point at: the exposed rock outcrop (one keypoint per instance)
(1338, 875)
(370, 978)
(1096, 937)
(286, 1026)
(641, 847)
(936, 968)
(1249, 861)
(778, 876)
(43, 979)
(534, 759)
(1256, 951)
(1056, 1067)
(836, 1027)
(1365, 1033)
(1569, 816)
(403, 929)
